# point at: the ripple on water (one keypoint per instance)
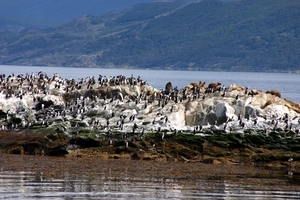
(32, 177)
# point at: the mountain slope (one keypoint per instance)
(208, 35)
(17, 15)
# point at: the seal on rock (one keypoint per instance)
(274, 92)
(238, 88)
(202, 84)
(214, 85)
(194, 84)
(268, 103)
(292, 103)
(168, 88)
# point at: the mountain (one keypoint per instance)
(17, 15)
(256, 35)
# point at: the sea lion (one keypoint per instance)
(194, 84)
(168, 88)
(274, 92)
(292, 103)
(202, 84)
(214, 85)
(238, 88)
(189, 87)
(149, 92)
(292, 108)
(267, 103)
(158, 93)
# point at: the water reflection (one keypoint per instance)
(133, 180)
(29, 185)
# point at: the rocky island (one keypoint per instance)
(124, 117)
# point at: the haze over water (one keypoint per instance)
(288, 84)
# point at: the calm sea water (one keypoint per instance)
(37, 177)
(287, 83)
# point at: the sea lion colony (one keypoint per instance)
(129, 107)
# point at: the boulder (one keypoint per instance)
(223, 112)
(253, 111)
(210, 118)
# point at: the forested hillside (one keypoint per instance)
(256, 35)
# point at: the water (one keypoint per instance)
(36, 177)
(287, 83)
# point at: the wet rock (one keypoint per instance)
(85, 142)
(58, 151)
(135, 156)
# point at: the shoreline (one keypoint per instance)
(234, 149)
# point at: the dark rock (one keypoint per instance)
(255, 139)
(45, 103)
(222, 144)
(187, 153)
(295, 147)
(135, 156)
(2, 114)
(85, 142)
(58, 151)
(31, 148)
(124, 150)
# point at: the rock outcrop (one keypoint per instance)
(117, 103)
(109, 108)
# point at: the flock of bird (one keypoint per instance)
(37, 100)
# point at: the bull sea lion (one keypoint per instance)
(292, 103)
(202, 84)
(267, 103)
(194, 84)
(238, 88)
(274, 92)
(168, 88)
(214, 85)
